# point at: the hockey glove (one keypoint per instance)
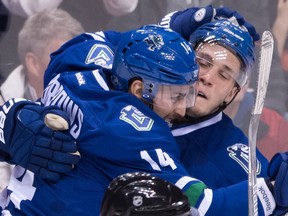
(46, 152)
(226, 13)
(187, 21)
(278, 172)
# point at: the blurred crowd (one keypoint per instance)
(32, 29)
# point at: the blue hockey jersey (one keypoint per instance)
(216, 151)
(116, 133)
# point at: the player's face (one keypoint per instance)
(172, 101)
(218, 68)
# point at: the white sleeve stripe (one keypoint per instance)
(265, 196)
(6, 213)
(206, 202)
(98, 36)
(100, 80)
(182, 182)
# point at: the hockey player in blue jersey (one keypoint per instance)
(225, 54)
(116, 132)
(84, 60)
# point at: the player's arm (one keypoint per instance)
(225, 201)
(88, 51)
(36, 138)
(232, 200)
(272, 193)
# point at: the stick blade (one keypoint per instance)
(266, 53)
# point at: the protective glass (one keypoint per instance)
(174, 96)
(225, 64)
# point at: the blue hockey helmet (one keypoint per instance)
(142, 194)
(156, 55)
(231, 36)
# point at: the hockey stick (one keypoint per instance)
(264, 67)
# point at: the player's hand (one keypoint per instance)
(41, 142)
(226, 13)
(187, 21)
(278, 172)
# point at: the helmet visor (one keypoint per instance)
(225, 65)
(171, 101)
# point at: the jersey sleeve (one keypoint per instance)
(89, 50)
(83, 51)
(232, 200)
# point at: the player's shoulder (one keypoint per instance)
(88, 51)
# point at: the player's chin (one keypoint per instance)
(197, 111)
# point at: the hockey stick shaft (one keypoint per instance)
(252, 177)
(266, 54)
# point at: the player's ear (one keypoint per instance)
(136, 88)
(32, 64)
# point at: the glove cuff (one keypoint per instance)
(265, 196)
(270, 185)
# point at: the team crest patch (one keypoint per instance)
(100, 54)
(239, 152)
(136, 119)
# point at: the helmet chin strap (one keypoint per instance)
(148, 103)
(151, 106)
(225, 104)
(221, 107)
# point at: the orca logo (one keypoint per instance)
(101, 55)
(154, 41)
(239, 152)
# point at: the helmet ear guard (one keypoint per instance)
(141, 194)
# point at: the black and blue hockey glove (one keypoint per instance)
(46, 149)
(187, 21)
(278, 172)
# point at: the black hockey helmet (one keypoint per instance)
(142, 194)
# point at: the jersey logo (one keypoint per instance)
(239, 153)
(200, 15)
(137, 119)
(101, 55)
(154, 41)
